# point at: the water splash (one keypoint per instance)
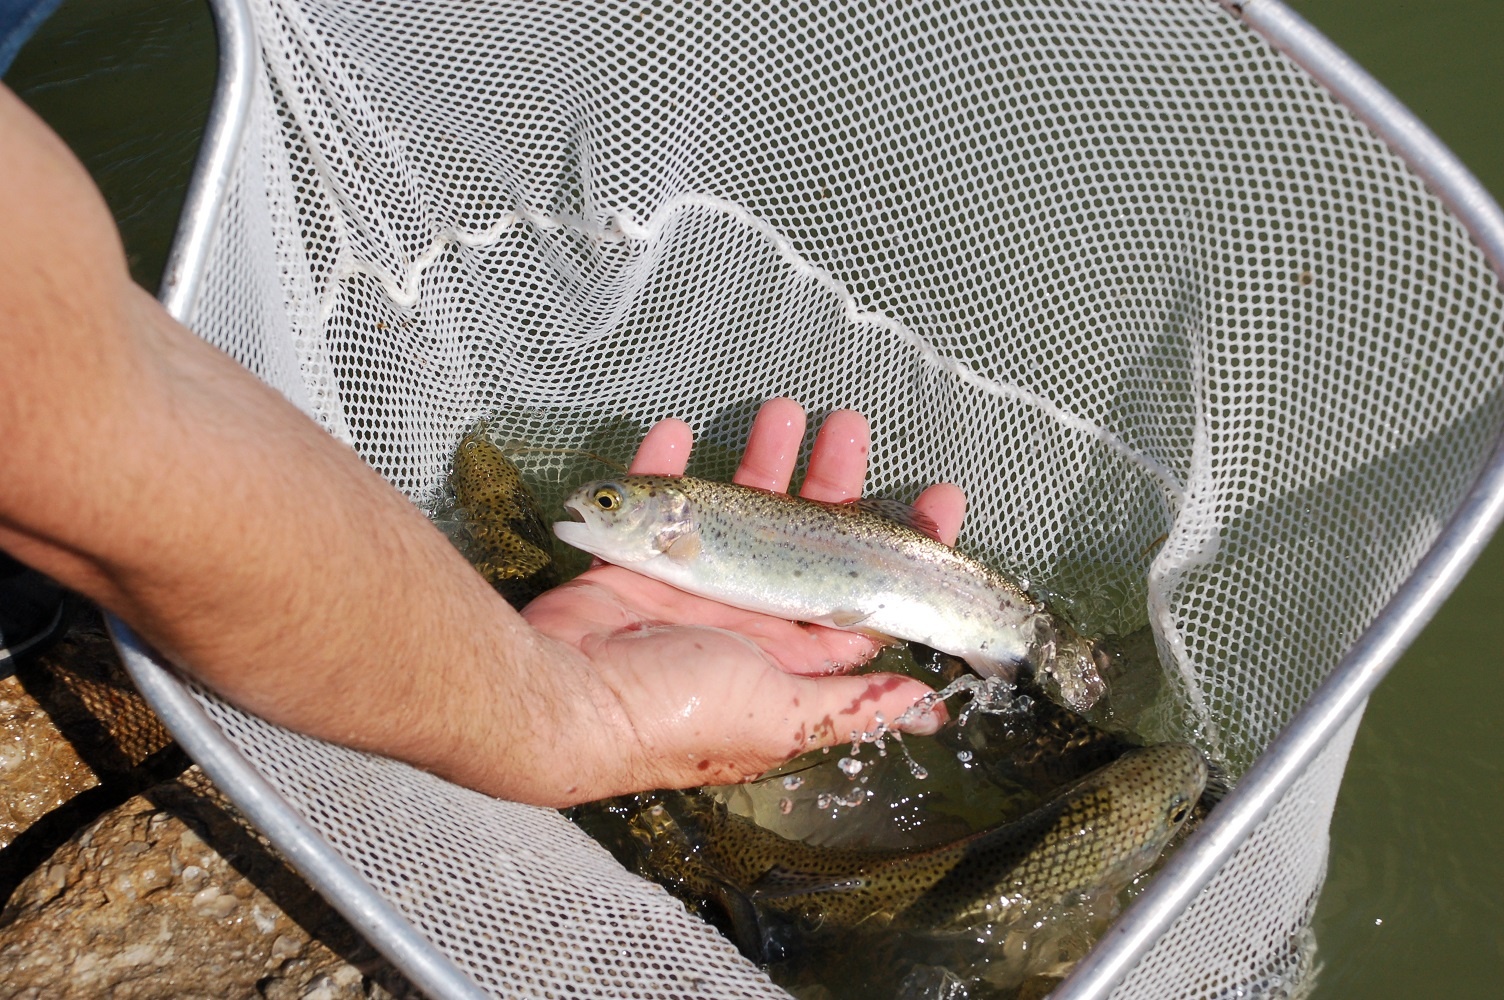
(992, 695)
(830, 800)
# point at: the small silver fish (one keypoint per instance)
(863, 565)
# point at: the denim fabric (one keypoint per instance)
(19, 19)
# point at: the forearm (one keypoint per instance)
(152, 473)
(266, 558)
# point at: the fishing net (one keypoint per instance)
(1204, 354)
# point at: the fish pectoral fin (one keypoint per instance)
(898, 512)
(685, 548)
(876, 920)
(779, 882)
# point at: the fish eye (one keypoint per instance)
(607, 498)
(1180, 811)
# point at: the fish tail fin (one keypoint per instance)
(1067, 668)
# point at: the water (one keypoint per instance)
(1414, 899)
(1414, 904)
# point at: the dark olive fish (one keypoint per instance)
(504, 536)
(1039, 751)
(1094, 838)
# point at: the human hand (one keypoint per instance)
(346, 615)
(713, 694)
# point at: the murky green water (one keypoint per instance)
(1414, 905)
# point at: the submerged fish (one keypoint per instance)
(503, 532)
(867, 565)
(1040, 750)
(1089, 841)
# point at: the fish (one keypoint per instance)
(503, 533)
(1097, 835)
(1023, 899)
(869, 565)
(1039, 750)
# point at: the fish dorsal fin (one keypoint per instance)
(896, 511)
(779, 882)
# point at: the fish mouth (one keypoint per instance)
(573, 513)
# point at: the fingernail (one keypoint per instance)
(926, 723)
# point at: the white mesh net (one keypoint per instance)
(1201, 351)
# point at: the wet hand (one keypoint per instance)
(710, 693)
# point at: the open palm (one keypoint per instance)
(711, 693)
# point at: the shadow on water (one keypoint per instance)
(128, 86)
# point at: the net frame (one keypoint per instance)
(1315, 738)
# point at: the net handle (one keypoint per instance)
(372, 916)
(326, 870)
(1348, 686)
(224, 134)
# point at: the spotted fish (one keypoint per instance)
(867, 565)
(1094, 838)
(504, 536)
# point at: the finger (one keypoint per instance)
(945, 504)
(772, 446)
(664, 450)
(841, 707)
(838, 462)
(609, 598)
(809, 650)
(774, 720)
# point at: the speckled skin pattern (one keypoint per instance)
(831, 564)
(509, 544)
(1094, 838)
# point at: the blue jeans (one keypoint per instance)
(18, 20)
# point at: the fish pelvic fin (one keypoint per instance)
(779, 882)
(848, 617)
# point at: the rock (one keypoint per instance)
(39, 769)
(129, 886)
(169, 894)
(90, 699)
(71, 722)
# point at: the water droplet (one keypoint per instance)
(792, 782)
(850, 768)
(964, 756)
(785, 806)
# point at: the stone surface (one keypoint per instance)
(169, 895)
(124, 885)
(70, 721)
(39, 769)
